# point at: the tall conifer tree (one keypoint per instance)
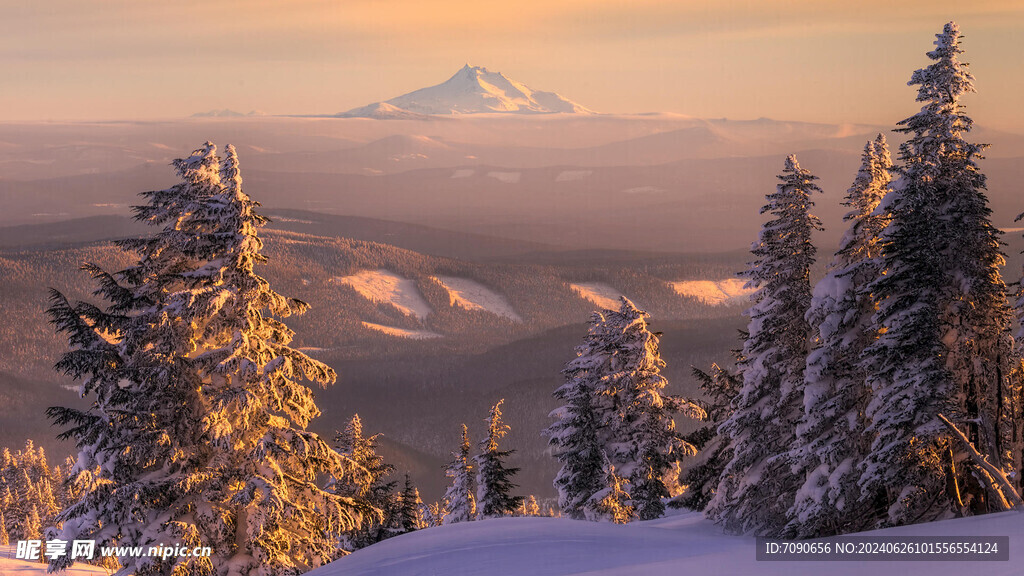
(943, 312)
(493, 478)
(196, 434)
(459, 499)
(832, 437)
(366, 483)
(579, 436)
(757, 487)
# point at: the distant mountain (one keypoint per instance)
(226, 113)
(472, 90)
(382, 111)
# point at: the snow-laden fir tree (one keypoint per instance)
(757, 487)
(702, 473)
(616, 407)
(943, 315)
(196, 432)
(832, 439)
(459, 499)
(578, 437)
(367, 483)
(33, 526)
(410, 514)
(26, 483)
(433, 514)
(640, 436)
(530, 506)
(493, 478)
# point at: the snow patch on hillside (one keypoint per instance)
(644, 190)
(402, 332)
(712, 292)
(506, 177)
(389, 288)
(472, 295)
(570, 175)
(463, 173)
(603, 295)
(673, 546)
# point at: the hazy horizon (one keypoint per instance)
(793, 60)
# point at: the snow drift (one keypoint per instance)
(681, 544)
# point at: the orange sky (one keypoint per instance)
(800, 59)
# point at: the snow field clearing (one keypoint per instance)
(472, 295)
(570, 175)
(402, 332)
(644, 190)
(463, 173)
(389, 288)
(712, 292)
(600, 294)
(506, 177)
(683, 544)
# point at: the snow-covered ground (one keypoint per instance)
(402, 332)
(472, 295)
(388, 287)
(11, 566)
(606, 297)
(680, 545)
(715, 293)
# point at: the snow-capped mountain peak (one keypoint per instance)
(474, 90)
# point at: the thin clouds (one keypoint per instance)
(323, 50)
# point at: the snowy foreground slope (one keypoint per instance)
(15, 567)
(673, 546)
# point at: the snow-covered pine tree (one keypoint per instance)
(757, 486)
(433, 514)
(574, 437)
(6, 504)
(26, 483)
(365, 483)
(32, 529)
(530, 506)
(616, 407)
(5, 538)
(701, 475)
(459, 499)
(410, 516)
(196, 430)
(944, 346)
(493, 479)
(832, 439)
(643, 442)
